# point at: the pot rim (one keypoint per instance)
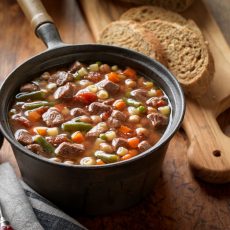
(158, 69)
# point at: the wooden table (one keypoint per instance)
(178, 201)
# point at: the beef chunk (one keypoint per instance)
(29, 87)
(118, 115)
(76, 66)
(111, 87)
(97, 130)
(93, 76)
(78, 112)
(154, 100)
(23, 137)
(21, 120)
(158, 119)
(36, 148)
(57, 140)
(139, 94)
(52, 117)
(66, 149)
(120, 142)
(143, 146)
(98, 108)
(114, 123)
(66, 91)
(61, 77)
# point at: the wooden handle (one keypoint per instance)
(35, 12)
(209, 149)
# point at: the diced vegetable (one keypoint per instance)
(105, 157)
(152, 93)
(78, 137)
(114, 68)
(35, 95)
(41, 130)
(47, 147)
(132, 102)
(52, 131)
(110, 135)
(133, 152)
(106, 148)
(88, 161)
(99, 162)
(142, 131)
(161, 103)
(51, 86)
(33, 115)
(130, 73)
(86, 97)
(94, 67)
(102, 94)
(165, 110)
(133, 111)
(126, 157)
(114, 77)
(65, 111)
(92, 88)
(134, 119)
(119, 104)
(133, 142)
(125, 129)
(159, 93)
(148, 84)
(60, 107)
(121, 151)
(142, 109)
(36, 104)
(82, 72)
(76, 126)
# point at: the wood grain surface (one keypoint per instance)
(178, 200)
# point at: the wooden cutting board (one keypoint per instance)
(209, 147)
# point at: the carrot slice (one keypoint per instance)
(133, 152)
(129, 72)
(34, 116)
(100, 162)
(124, 129)
(119, 105)
(41, 130)
(77, 137)
(126, 157)
(114, 77)
(133, 142)
(159, 93)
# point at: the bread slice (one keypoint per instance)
(175, 5)
(146, 13)
(131, 35)
(188, 55)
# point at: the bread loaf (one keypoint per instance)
(175, 5)
(129, 34)
(187, 55)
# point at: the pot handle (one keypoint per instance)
(41, 22)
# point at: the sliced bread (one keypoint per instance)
(175, 5)
(146, 13)
(187, 55)
(131, 35)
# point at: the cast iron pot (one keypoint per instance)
(90, 189)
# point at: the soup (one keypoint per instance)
(89, 114)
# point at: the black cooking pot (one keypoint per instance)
(89, 189)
